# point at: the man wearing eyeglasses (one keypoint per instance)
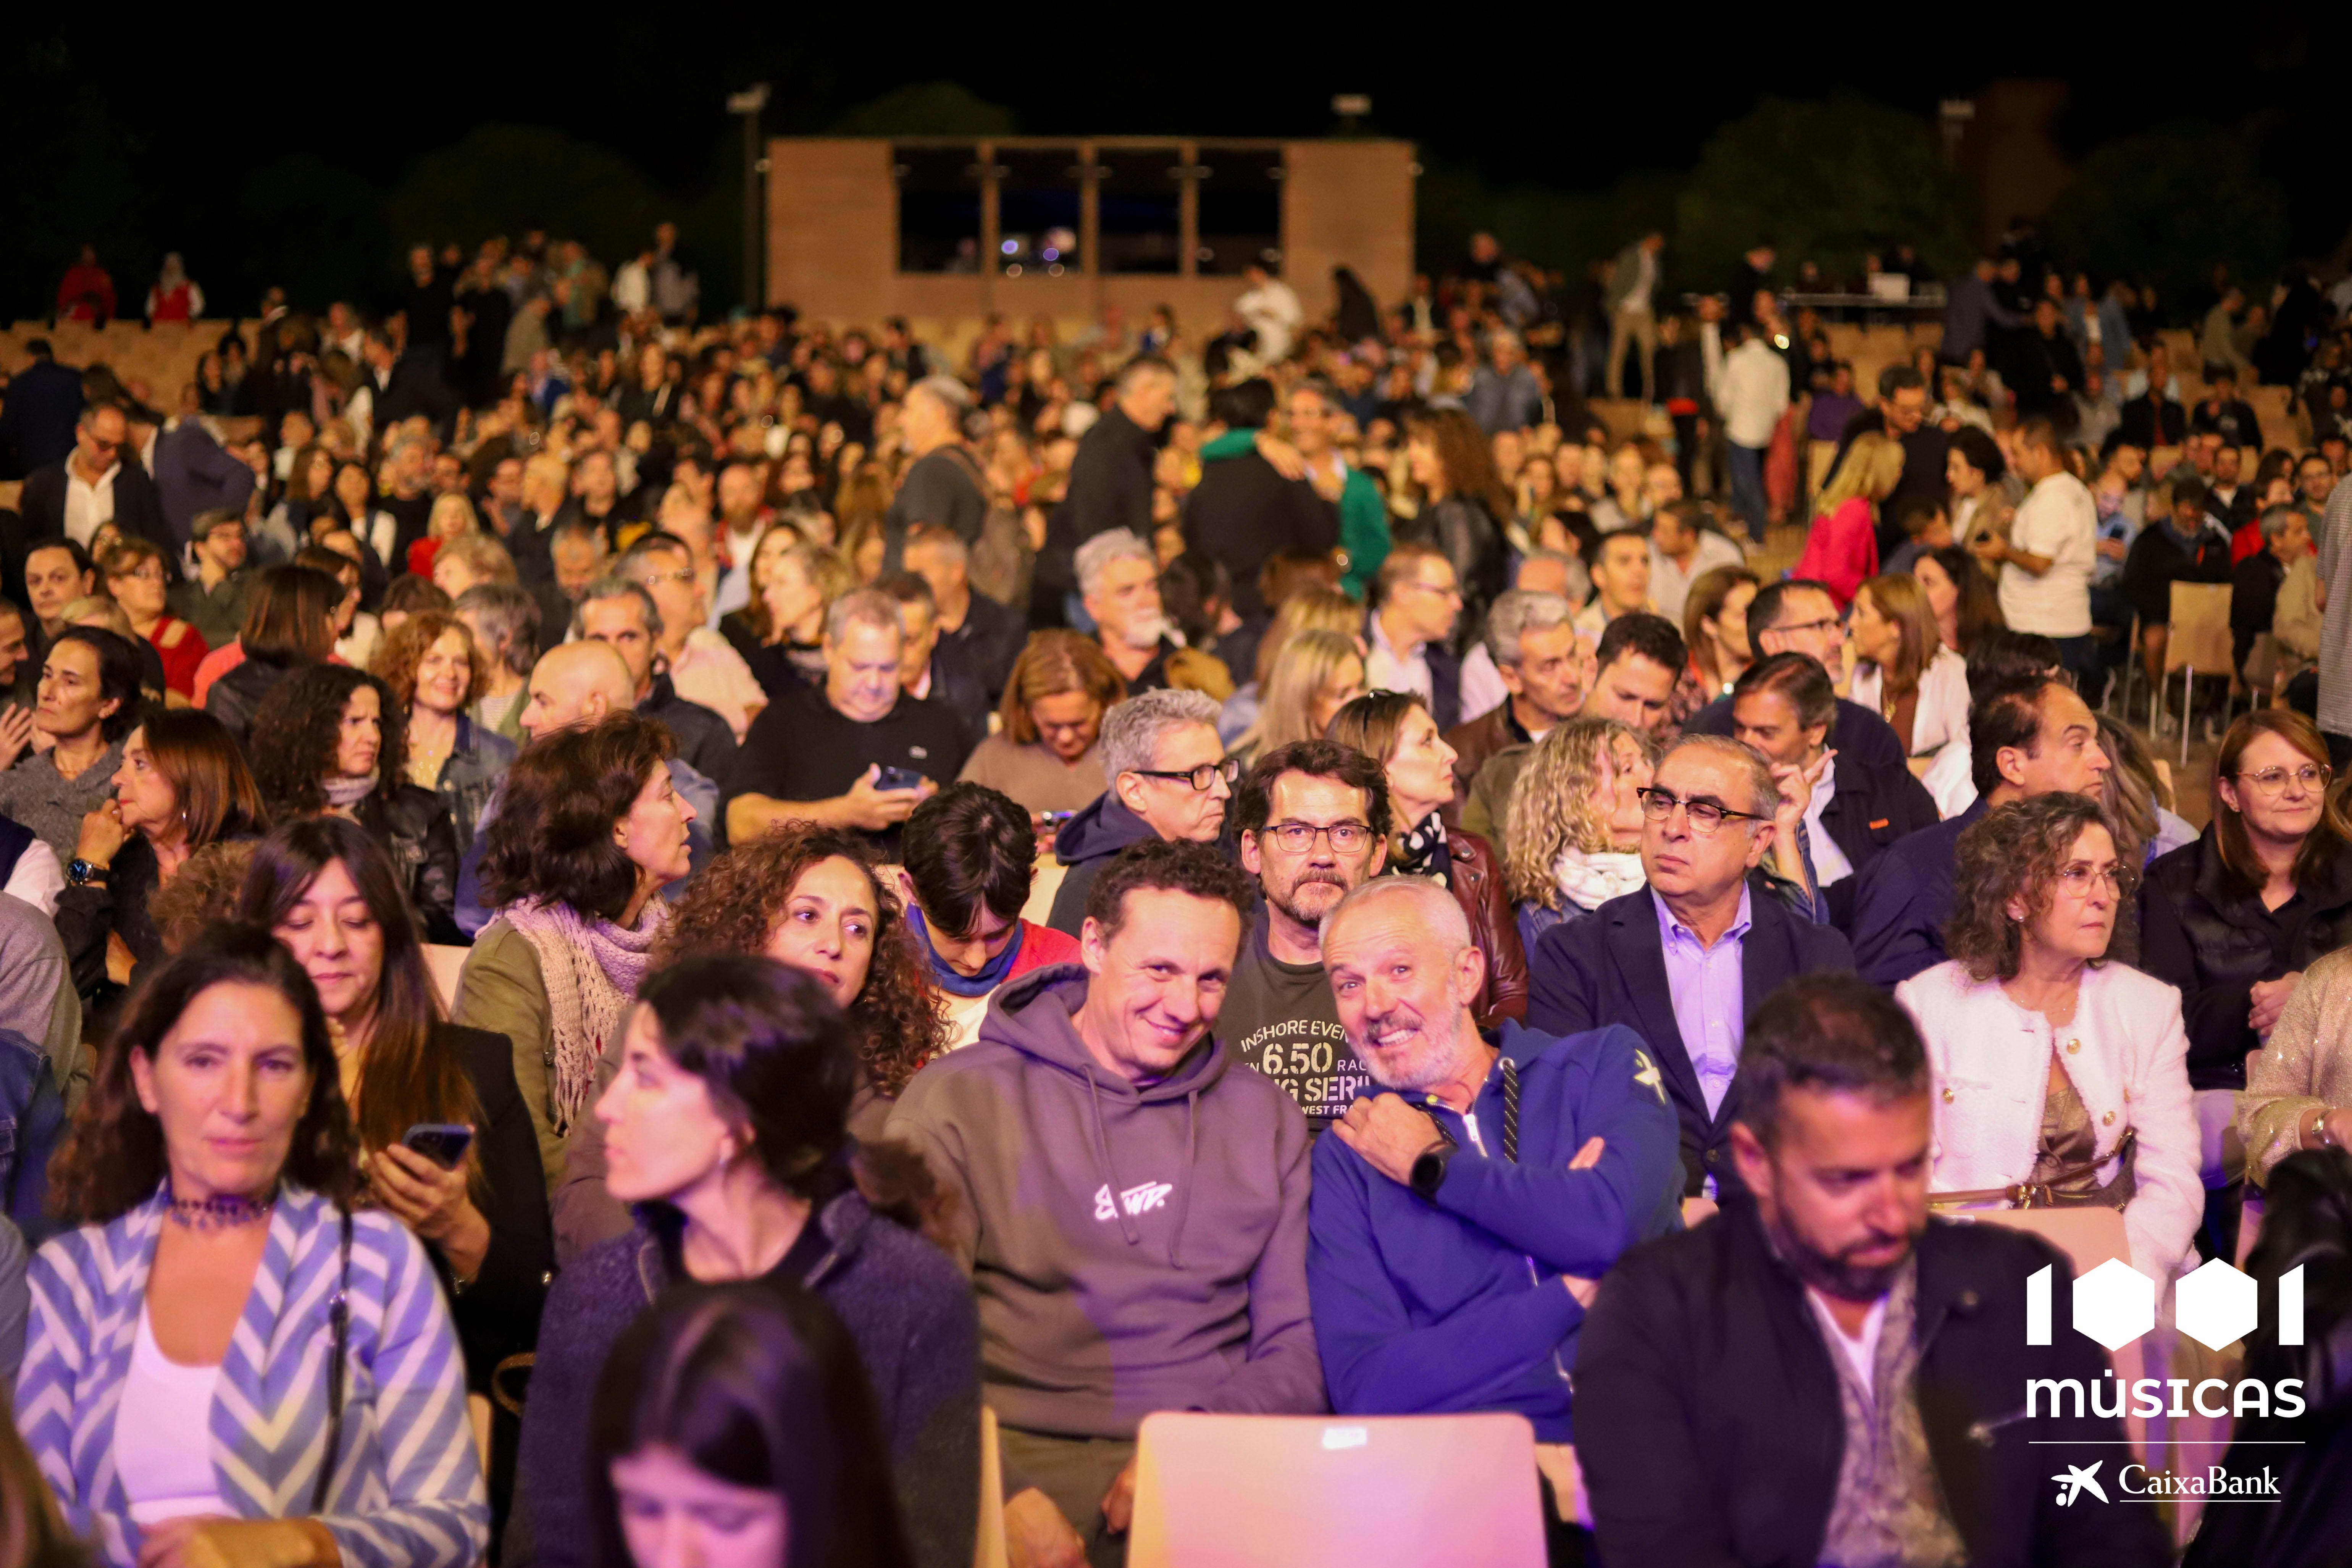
(1799, 615)
(703, 665)
(100, 480)
(1416, 603)
(1170, 779)
(1687, 958)
(1311, 820)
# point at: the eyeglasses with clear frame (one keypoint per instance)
(2271, 782)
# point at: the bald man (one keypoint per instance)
(572, 684)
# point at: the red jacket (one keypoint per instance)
(1841, 549)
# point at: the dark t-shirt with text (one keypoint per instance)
(1280, 1019)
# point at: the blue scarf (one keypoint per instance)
(954, 982)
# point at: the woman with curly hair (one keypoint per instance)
(590, 829)
(2061, 1078)
(1575, 825)
(329, 740)
(810, 897)
(434, 668)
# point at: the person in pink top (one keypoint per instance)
(1842, 547)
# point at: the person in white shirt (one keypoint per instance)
(1682, 549)
(2047, 561)
(1620, 583)
(1271, 308)
(1751, 399)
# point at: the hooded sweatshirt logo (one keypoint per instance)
(1135, 1200)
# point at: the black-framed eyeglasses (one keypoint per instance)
(2273, 782)
(1827, 624)
(1705, 817)
(1298, 837)
(1199, 778)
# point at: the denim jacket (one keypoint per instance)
(471, 774)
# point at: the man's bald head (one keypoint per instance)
(577, 683)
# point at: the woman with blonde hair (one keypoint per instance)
(1313, 609)
(452, 517)
(1902, 670)
(1842, 547)
(781, 631)
(1316, 674)
(1575, 823)
(1043, 755)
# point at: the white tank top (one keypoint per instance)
(163, 1435)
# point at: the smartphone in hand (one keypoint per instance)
(444, 1143)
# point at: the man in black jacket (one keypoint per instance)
(1242, 511)
(37, 426)
(1799, 616)
(99, 478)
(1821, 1373)
(1783, 706)
(1686, 959)
(2254, 582)
(617, 611)
(1110, 481)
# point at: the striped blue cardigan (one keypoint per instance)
(407, 1489)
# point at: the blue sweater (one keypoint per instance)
(1457, 1305)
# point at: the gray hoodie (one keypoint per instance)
(1133, 1249)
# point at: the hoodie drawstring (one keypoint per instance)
(1184, 1180)
(1126, 1226)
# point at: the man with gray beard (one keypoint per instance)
(1463, 1213)
(1119, 583)
(1312, 820)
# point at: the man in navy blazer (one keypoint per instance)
(1687, 959)
(193, 473)
(103, 456)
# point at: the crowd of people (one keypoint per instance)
(617, 923)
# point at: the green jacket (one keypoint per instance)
(1363, 516)
(502, 990)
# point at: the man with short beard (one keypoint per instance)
(1463, 1213)
(1313, 823)
(1118, 581)
(1860, 1370)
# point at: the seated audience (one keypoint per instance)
(970, 856)
(2181, 543)
(213, 601)
(1395, 730)
(1961, 597)
(1315, 674)
(858, 751)
(1311, 820)
(809, 897)
(1783, 706)
(2061, 1075)
(136, 575)
(2028, 735)
(1409, 630)
(1118, 585)
(289, 624)
(1684, 548)
(1715, 627)
(1542, 670)
(155, 1346)
(1043, 754)
(504, 619)
(1101, 1301)
(589, 827)
(751, 1394)
(1902, 670)
(1169, 779)
(1575, 832)
(329, 892)
(432, 666)
(183, 784)
(1898, 1342)
(779, 632)
(1841, 543)
(617, 611)
(89, 704)
(1466, 1208)
(1797, 617)
(2298, 1091)
(329, 739)
(702, 667)
(728, 1125)
(2138, 803)
(1686, 960)
(927, 668)
(975, 631)
(1620, 583)
(1313, 607)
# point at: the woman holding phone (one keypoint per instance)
(445, 1143)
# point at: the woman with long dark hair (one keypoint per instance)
(330, 739)
(289, 624)
(228, 1361)
(1463, 504)
(728, 1126)
(737, 1414)
(328, 892)
(183, 784)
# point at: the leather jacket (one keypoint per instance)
(415, 827)
(1477, 878)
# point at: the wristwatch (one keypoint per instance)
(1429, 1169)
(81, 872)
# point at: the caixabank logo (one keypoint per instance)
(2114, 1304)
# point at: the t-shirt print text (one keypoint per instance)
(1135, 1200)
